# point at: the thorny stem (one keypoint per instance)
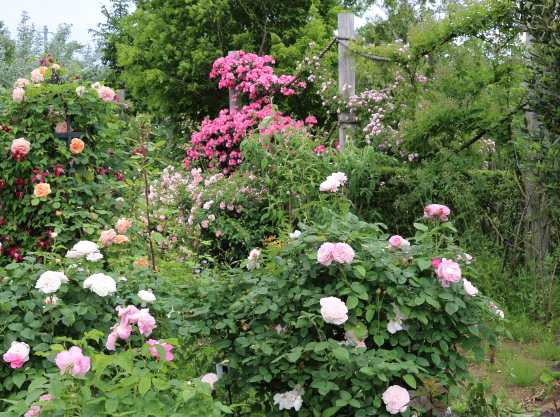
(144, 133)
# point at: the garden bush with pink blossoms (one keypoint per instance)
(345, 317)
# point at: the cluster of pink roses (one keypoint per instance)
(130, 315)
(335, 252)
(35, 410)
(437, 212)
(108, 237)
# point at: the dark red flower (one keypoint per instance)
(6, 129)
(21, 182)
(3, 184)
(118, 175)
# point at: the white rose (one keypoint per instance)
(85, 247)
(101, 284)
(96, 86)
(80, 90)
(50, 281)
(73, 254)
(334, 310)
(295, 235)
(54, 235)
(21, 349)
(253, 264)
(470, 289)
(146, 296)
(94, 256)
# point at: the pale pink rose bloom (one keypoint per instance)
(21, 82)
(18, 94)
(437, 211)
(395, 399)
(123, 226)
(35, 410)
(330, 184)
(61, 127)
(106, 94)
(204, 224)
(394, 242)
(108, 237)
(325, 254)
(20, 145)
(339, 176)
(119, 331)
(17, 354)
(333, 310)
(469, 258)
(218, 233)
(55, 66)
(448, 272)
(72, 361)
(146, 323)
(128, 314)
(210, 378)
(470, 289)
(166, 346)
(343, 253)
(37, 75)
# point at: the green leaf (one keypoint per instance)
(19, 379)
(341, 354)
(124, 361)
(330, 412)
(420, 226)
(451, 307)
(111, 405)
(160, 384)
(36, 383)
(424, 264)
(352, 302)
(410, 380)
(321, 346)
(378, 339)
(367, 371)
(361, 270)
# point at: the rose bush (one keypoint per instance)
(355, 336)
(48, 184)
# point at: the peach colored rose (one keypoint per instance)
(37, 75)
(108, 237)
(106, 94)
(18, 94)
(141, 262)
(122, 225)
(77, 145)
(55, 66)
(61, 127)
(21, 82)
(121, 239)
(42, 70)
(20, 145)
(42, 190)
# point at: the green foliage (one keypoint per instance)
(242, 317)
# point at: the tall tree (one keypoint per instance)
(175, 42)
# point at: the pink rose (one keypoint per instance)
(146, 323)
(448, 272)
(35, 410)
(119, 331)
(330, 184)
(469, 258)
(395, 399)
(21, 82)
(470, 289)
(437, 211)
(342, 253)
(61, 127)
(17, 354)
(108, 237)
(218, 233)
(333, 310)
(128, 314)
(20, 145)
(324, 255)
(204, 223)
(166, 346)
(339, 176)
(397, 242)
(37, 75)
(210, 378)
(106, 94)
(72, 361)
(18, 94)
(435, 262)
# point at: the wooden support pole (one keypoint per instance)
(346, 76)
(232, 102)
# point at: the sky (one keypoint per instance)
(82, 14)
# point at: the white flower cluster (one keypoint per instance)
(290, 399)
(85, 248)
(253, 259)
(395, 324)
(50, 281)
(101, 284)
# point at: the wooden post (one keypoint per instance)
(346, 76)
(538, 230)
(121, 95)
(232, 102)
